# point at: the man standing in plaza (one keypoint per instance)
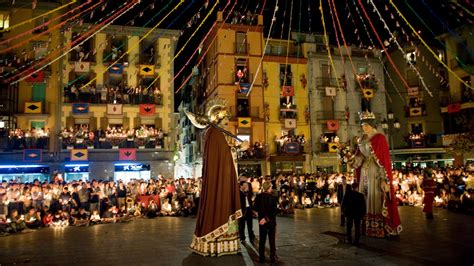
(353, 207)
(342, 189)
(266, 207)
(246, 204)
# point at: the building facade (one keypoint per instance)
(458, 104)
(108, 105)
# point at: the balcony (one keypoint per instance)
(253, 111)
(327, 115)
(27, 141)
(281, 50)
(291, 146)
(111, 56)
(111, 140)
(288, 112)
(123, 95)
(147, 59)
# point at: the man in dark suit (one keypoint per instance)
(247, 206)
(341, 191)
(266, 207)
(354, 209)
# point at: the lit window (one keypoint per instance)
(4, 21)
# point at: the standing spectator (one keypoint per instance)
(246, 205)
(266, 207)
(429, 186)
(342, 189)
(354, 209)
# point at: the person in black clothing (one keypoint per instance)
(246, 205)
(354, 209)
(341, 191)
(266, 207)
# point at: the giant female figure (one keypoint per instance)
(216, 232)
(373, 170)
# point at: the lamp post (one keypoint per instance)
(390, 125)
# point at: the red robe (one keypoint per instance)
(381, 151)
(429, 186)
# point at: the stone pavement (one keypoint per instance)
(310, 237)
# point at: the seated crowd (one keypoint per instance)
(82, 137)
(78, 203)
(113, 94)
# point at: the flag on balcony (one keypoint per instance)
(116, 69)
(332, 147)
(290, 123)
(244, 87)
(147, 70)
(416, 111)
(82, 66)
(330, 91)
(368, 93)
(292, 147)
(245, 122)
(80, 108)
(79, 155)
(33, 107)
(32, 155)
(333, 125)
(147, 109)
(287, 91)
(114, 109)
(36, 77)
(454, 108)
(38, 93)
(128, 154)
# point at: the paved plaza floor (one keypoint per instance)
(309, 237)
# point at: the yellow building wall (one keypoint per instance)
(164, 46)
(275, 126)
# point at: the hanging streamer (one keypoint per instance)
(37, 17)
(204, 39)
(326, 42)
(36, 36)
(427, 47)
(94, 31)
(185, 44)
(264, 49)
(401, 50)
(140, 40)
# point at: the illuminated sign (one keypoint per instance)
(131, 167)
(76, 168)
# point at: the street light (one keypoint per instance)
(389, 127)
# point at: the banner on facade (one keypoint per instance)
(147, 70)
(287, 91)
(32, 155)
(333, 125)
(333, 146)
(128, 154)
(368, 93)
(245, 122)
(33, 107)
(82, 66)
(416, 111)
(79, 155)
(331, 91)
(147, 109)
(114, 109)
(80, 108)
(36, 77)
(290, 123)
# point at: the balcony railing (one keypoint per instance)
(20, 143)
(281, 50)
(288, 113)
(124, 97)
(112, 142)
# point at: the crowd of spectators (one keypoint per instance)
(143, 136)
(35, 138)
(285, 139)
(113, 94)
(78, 203)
